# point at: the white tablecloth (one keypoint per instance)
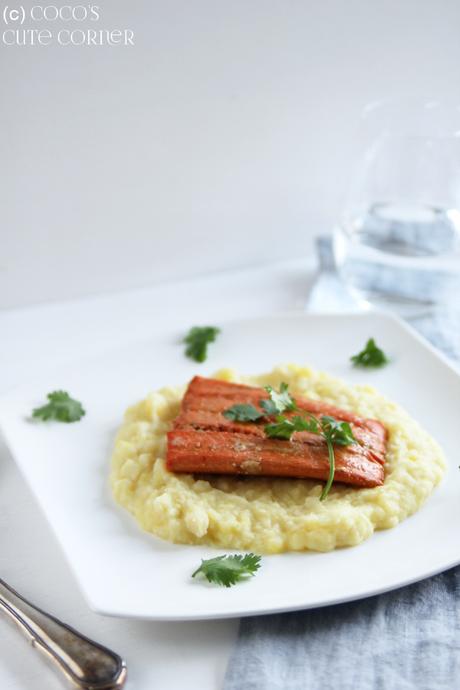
(159, 655)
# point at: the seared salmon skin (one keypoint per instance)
(203, 440)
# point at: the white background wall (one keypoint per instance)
(220, 139)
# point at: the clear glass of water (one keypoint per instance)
(398, 243)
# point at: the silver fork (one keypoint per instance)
(87, 664)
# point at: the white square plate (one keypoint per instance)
(125, 572)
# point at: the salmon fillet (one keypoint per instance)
(204, 441)
(222, 452)
(206, 399)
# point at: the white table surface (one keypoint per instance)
(158, 655)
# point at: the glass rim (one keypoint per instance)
(411, 115)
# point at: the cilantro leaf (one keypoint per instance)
(60, 407)
(279, 402)
(339, 433)
(268, 407)
(370, 356)
(197, 341)
(333, 432)
(283, 428)
(243, 413)
(228, 570)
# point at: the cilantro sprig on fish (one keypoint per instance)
(333, 431)
(330, 429)
(243, 413)
(277, 403)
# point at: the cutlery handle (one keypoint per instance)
(85, 663)
(325, 253)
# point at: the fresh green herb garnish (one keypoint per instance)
(339, 433)
(279, 402)
(60, 407)
(243, 413)
(228, 570)
(284, 427)
(333, 432)
(371, 356)
(197, 341)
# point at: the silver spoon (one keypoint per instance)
(85, 663)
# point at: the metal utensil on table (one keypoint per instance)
(87, 664)
(329, 293)
(440, 325)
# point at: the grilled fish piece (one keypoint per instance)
(223, 452)
(206, 399)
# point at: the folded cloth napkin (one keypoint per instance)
(408, 639)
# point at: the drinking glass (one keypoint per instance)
(398, 242)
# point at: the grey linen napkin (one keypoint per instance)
(408, 639)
